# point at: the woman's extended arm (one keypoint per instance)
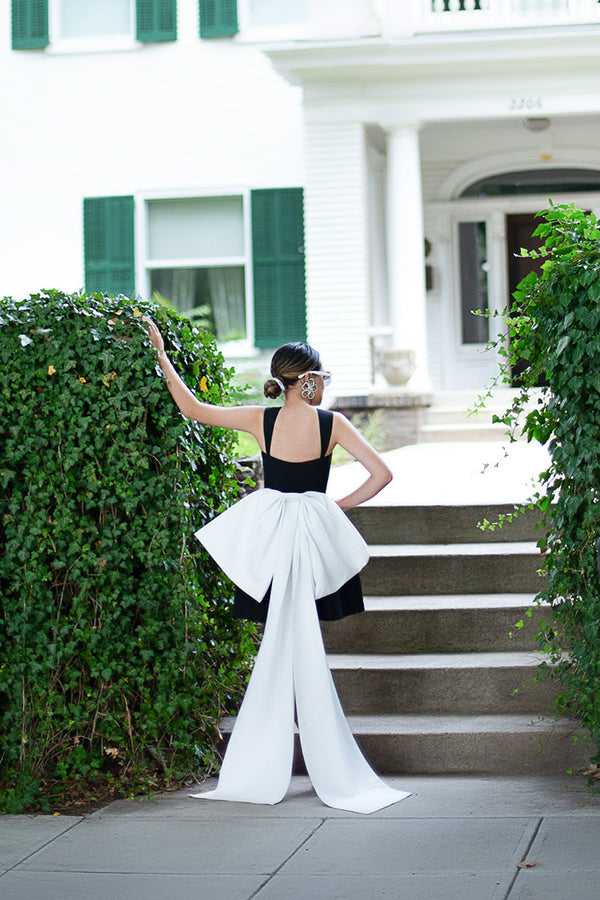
(240, 418)
(346, 435)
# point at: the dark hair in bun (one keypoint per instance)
(287, 363)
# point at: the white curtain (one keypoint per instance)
(226, 286)
(183, 289)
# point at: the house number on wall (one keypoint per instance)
(521, 103)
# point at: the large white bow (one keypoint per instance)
(305, 547)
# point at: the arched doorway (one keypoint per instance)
(560, 184)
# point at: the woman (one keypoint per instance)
(292, 553)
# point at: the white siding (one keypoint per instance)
(337, 252)
(186, 117)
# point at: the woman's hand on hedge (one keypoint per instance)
(156, 338)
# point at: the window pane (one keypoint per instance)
(195, 228)
(473, 281)
(214, 298)
(277, 12)
(89, 18)
(535, 181)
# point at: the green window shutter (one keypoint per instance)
(156, 20)
(278, 266)
(29, 24)
(108, 245)
(218, 18)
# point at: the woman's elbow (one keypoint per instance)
(386, 476)
(188, 409)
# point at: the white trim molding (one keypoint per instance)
(460, 178)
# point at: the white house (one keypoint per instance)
(359, 171)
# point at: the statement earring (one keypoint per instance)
(309, 389)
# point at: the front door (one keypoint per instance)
(519, 230)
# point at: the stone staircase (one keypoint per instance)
(449, 417)
(435, 677)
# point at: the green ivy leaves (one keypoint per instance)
(555, 326)
(116, 631)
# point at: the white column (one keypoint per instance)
(406, 250)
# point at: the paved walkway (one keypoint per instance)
(453, 839)
(453, 474)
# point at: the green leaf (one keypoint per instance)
(116, 630)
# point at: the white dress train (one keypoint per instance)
(305, 547)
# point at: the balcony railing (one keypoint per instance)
(463, 15)
(325, 20)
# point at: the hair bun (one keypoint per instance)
(272, 389)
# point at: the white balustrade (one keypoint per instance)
(459, 5)
(457, 15)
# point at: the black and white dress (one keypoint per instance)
(297, 478)
(291, 547)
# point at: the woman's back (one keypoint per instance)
(307, 473)
(296, 432)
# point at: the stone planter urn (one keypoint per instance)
(397, 366)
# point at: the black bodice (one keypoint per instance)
(297, 477)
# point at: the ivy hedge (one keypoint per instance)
(118, 651)
(554, 331)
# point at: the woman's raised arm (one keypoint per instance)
(239, 418)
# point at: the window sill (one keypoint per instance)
(107, 44)
(271, 34)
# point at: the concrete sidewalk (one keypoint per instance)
(453, 839)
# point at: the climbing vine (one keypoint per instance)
(118, 649)
(553, 331)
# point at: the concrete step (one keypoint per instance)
(455, 414)
(452, 417)
(466, 398)
(459, 432)
(441, 624)
(455, 744)
(443, 524)
(458, 683)
(474, 745)
(417, 569)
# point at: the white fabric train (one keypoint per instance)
(306, 547)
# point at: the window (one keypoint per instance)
(234, 264)
(197, 260)
(76, 22)
(220, 18)
(273, 20)
(212, 297)
(535, 181)
(472, 243)
(87, 18)
(266, 13)
(108, 245)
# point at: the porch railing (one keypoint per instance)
(460, 15)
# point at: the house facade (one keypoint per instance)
(361, 173)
